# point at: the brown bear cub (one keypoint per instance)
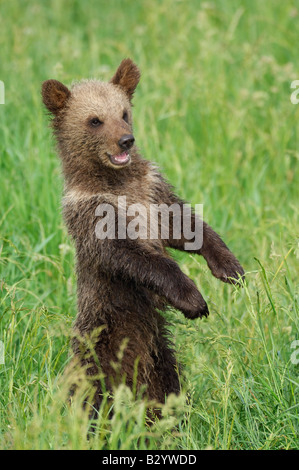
(123, 282)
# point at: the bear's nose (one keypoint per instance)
(126, 141)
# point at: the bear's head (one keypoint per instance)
(93, 119)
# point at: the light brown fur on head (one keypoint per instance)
(91, 118)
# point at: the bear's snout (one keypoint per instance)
(126, 142)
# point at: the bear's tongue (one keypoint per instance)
(120, 159)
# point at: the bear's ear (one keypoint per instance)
(55, 95)
(127, 77)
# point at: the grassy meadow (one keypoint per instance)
(213, 110)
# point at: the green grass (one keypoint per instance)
(213, 110)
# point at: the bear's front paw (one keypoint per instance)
(227, 268)
(191, 302)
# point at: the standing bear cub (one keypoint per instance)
(124, 282)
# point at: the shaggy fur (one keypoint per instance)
(122, 284)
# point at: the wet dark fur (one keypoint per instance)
(122, 284)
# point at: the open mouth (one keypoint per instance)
(119, 160)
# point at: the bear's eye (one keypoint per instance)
(95, 122)
(125, 116)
